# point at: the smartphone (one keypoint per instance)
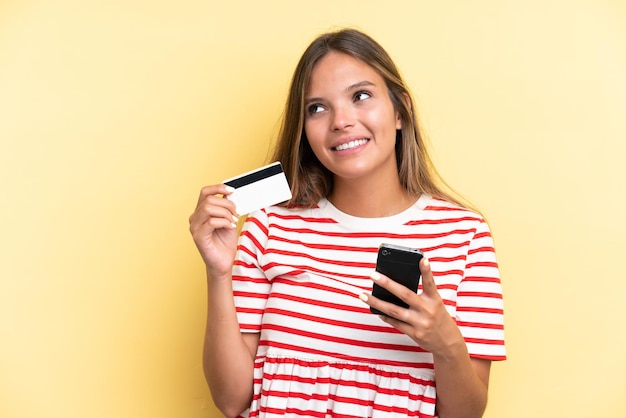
(401, 264)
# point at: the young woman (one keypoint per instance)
(289, 330)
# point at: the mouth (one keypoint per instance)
(351, 144)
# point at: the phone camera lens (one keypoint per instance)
(385, 252)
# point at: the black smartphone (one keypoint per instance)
(401, 264)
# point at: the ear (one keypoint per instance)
(407, 101)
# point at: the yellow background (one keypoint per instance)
(114, 113)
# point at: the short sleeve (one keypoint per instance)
(250, 285)
(480, 311)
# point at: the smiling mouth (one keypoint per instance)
(351, 144)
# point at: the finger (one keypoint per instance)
(402, 326)
(202, 231)
(209, 200)
(380, 305)
(392, 313)
(213, 190)
(214, 223)
(215, 211)
(429, 287)
(405, 294)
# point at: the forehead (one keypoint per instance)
(338, 70)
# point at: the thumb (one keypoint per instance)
(428, 282)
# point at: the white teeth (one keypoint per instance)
(351, 144)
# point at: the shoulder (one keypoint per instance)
(439, 208)
(290, 214)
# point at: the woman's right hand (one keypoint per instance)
(213, 226)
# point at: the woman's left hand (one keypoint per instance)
(426, 320)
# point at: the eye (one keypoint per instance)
(314, 108)
(362, 95)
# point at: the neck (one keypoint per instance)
(370, 199)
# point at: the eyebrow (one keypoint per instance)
(364, 83)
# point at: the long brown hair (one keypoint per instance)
(309, 179)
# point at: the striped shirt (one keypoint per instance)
(297, 278)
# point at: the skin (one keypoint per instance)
(346, 103)
(228, 356)
(347, 100)
(462, 382)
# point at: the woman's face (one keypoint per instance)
(350, 121)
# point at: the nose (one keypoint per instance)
(343, 118)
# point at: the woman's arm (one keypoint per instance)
(228, 357)
(462, 384)
(461, 381)
(228, 354)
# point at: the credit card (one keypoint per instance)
(260, 188)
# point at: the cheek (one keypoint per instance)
(313, 134)
(317, 149)
(383, 119)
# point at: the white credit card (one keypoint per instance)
(260, 188)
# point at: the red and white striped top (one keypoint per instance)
(297, 278)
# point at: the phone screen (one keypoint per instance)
(401, 264)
